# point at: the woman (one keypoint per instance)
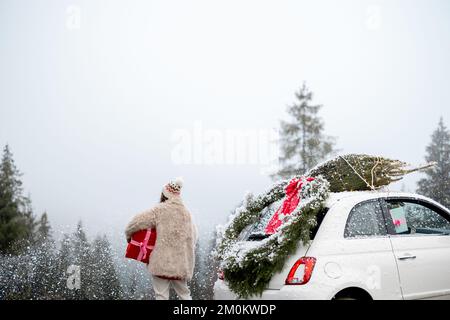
(172, 260)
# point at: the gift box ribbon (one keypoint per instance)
(143, 246)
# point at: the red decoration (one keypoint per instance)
(141, 245)
(289, 204)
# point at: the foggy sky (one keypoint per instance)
(91, 92)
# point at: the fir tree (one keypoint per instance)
(43, 227)
(32, 273)
(29, 221)
(133, 285)
(16, 216)
(46, 285)
(106, 283)
(64, 259)
(136, 280)
(212, 269)
(197, 282)
(44, 268)
(205, 271)
(303, 143)
(436, 184)
(82, 259)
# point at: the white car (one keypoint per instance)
(368, 245)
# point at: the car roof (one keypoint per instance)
(358, 196)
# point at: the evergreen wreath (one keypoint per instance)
(249, 266)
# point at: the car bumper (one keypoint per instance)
(301, 292)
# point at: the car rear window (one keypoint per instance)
(256, 231)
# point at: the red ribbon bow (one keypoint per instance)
(289, 204)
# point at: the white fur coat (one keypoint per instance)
(174, 252)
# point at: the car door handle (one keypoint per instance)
(406, 257)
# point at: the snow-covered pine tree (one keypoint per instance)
(16, 216)
(82, 258)
(31, 274)
(134, 279)
(29, 222)
(303, 143)
(43, 227)
(212, 268)
(44, 265)
(105, 285)
(64, 260)
(205, 272)
(436, 184)
(137, 285)
(196, 284)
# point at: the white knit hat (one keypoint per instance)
(173, 188)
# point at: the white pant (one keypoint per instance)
(162, 287)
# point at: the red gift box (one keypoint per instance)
(141, 245)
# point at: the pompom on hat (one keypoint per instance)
(173, 188)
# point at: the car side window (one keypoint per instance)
(365, 219)
(412, 217)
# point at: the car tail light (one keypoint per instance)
(301, 271)
(221, 275)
